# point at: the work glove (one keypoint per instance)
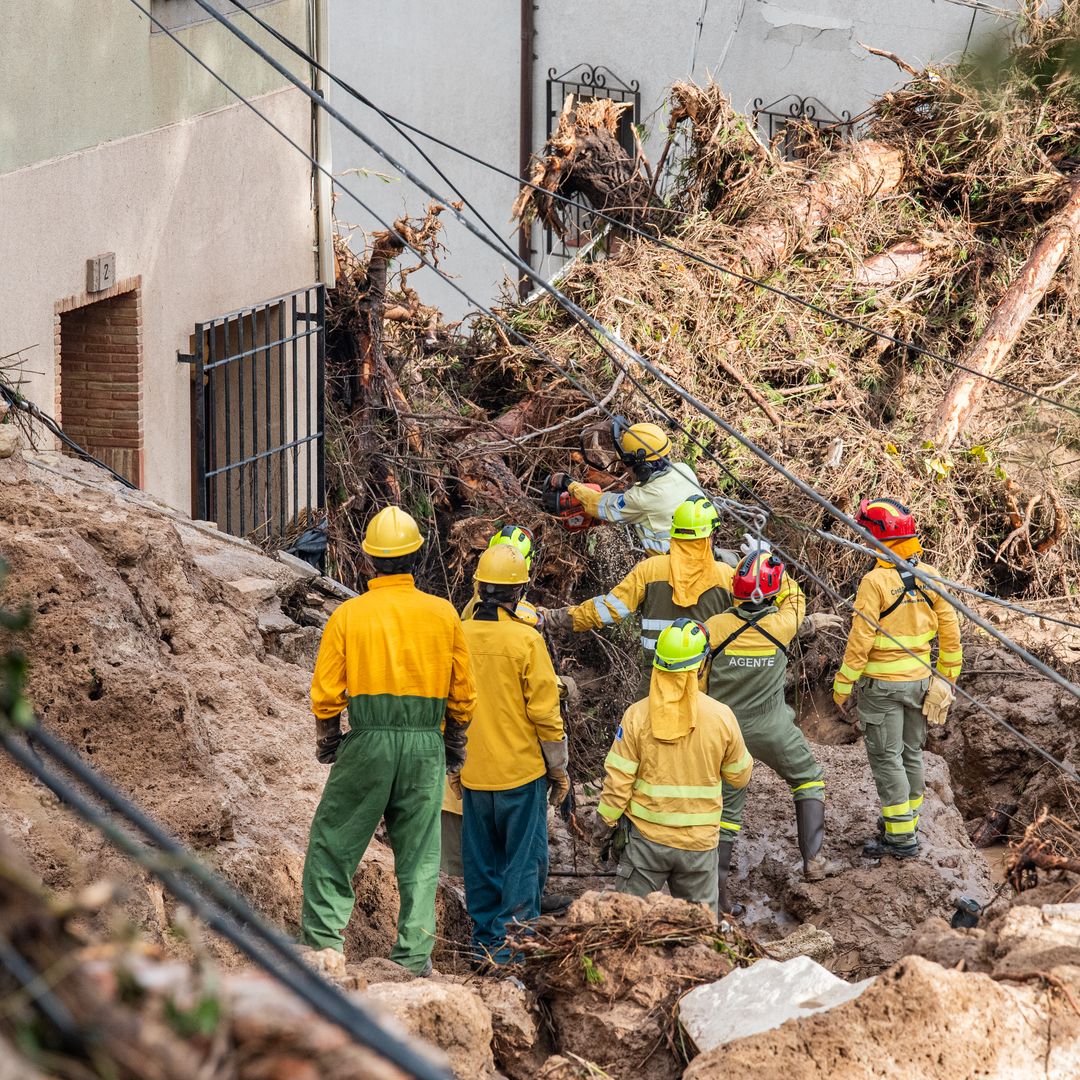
(454, 780)
(820, 620)
(559, 481)
(454, 739)
(601, 831)
(938, 698)
(558, 787)
(568, 691)
(752, 545)
(558, 620)
(327, 739)
(843, 703)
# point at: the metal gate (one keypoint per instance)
(776, 118)
(258, 431)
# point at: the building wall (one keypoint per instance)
(461, 80)
(213, 214)
(112, 139)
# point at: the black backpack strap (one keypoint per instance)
(907, 579)
(742, 629)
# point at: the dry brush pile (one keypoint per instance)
(948, 224)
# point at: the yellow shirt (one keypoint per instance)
(395, 656)
(517, 704)
(673, 791)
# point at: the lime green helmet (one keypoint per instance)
(682, 646)
(694, 519)
(517, 536)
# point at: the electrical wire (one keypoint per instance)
(398, 123)
(229, 914)
(17, 401)
(603, 332)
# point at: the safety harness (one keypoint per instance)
(911, 588)
(751, 622)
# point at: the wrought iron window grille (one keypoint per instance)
(586, 82)
(777, 121)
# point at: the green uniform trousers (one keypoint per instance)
(892, 722)
(646, 867)
(771, 737)
(392, 773)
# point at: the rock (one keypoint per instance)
(521, 1042)
(760, 998)
(10, 440)
(450, 1016)
(328, 962)
(272, 620)
(254, 589)
(808, 940)
(917, 1021)
(1037, 939)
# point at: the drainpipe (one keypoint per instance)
(324, 213)
(525, 126)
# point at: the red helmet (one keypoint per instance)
(762, 571)
(886, 519)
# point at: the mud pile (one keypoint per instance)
(162, 652)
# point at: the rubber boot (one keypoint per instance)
(810, 824)
(877, 846)
(723, 860)
(554, 903)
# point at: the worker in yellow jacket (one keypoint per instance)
(672, 754)
(517, 750)
(396, 658)
(687, 583)
(898, 692)
(660, 485)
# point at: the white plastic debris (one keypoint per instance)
(760, 998)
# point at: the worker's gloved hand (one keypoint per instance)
(937, 701)
(454, 739)
(568, 691)
(558, 620)
(820, 620)
(558, 787)
(752, 544)
(454, 780)
(843, 703)
(327, 739)
(601, 831)
(560, 481)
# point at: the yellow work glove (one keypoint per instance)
(938, 698)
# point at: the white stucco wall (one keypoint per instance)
(213, 213)
(453, 69)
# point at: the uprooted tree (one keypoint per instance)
(949, 225)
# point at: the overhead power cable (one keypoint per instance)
(398, 123)
(515, 334)
(189, 881)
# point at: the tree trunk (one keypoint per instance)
(1008, 320)
(867, 171)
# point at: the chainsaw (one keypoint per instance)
(567, 510)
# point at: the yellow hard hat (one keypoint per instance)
(390, 533)
(644, 442)
(502, 565)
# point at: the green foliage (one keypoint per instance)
(202, 1019)
(593, 975)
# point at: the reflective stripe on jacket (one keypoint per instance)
(748, 675)
(672, 791)
(397, 657)
(921, 616)
(648, 507)
(517, 704)
(648, 588)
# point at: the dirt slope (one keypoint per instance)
(147, 655)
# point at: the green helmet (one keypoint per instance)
(682, 646)
(517, 536)
(694, 519)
